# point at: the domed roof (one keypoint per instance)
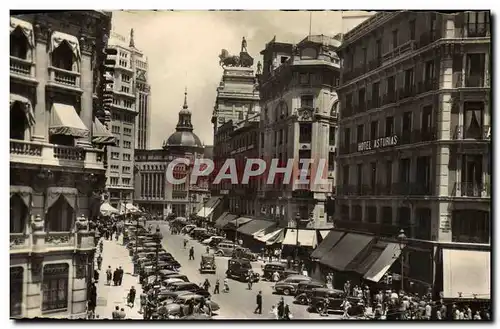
(184, 135)
(184, 138)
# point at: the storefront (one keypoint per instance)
(247, 232)
(231, 227)
(208, 208)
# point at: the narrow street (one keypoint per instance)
(239, 303)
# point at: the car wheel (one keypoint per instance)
(302, 301)
(219, 253)
(286, 291)
(319, 308)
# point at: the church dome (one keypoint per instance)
(183, 135)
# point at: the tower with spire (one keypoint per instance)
(132, 43)
(184, 123)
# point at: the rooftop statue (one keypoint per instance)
(228, 60)
(244, 60)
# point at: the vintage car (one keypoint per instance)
(304, 291)
(214, 239)
(207, 264)
(289, 285)
(240, 252)
(196, 232)
(240, 268)
(184, 300)
(335, 300)
(170, 296)
(168, 282)
(176, 275)
(189, 286)
(269, 269)
(188, 228)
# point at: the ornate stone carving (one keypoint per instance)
(87, 45)
(57, 239)
(17, 240)
(37, 224)
(305, 114)
(42, 32)
(82, 223)
(36, 264)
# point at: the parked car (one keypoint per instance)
(225, 249)
(176, 275)
(213, 239)
(240, 252)
(189, 286)
(239, 268)
(289, 285)
(168, 282)
(335, 300)
(269, 269)
(196, 232)
(304, 291)
(169, 296)
(188, 228)
(184, 300)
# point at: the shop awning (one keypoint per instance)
(383, 262)
(213, 202)
(224, 219)
(271, 235)
(306, 238)
(369, 259)
(466, 274)
(129, 209)
(27, 107)
(65, 121)
(345, 251)
(101, 135)
(254, 226)
(324, 233)
(209, 207)
(106, 209)
(238, 221)
(26, 28)
(59, 37)
(328, 243)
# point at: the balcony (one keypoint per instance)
(64, 78)
(424, 135)
(61, 241)
(408, 46)
(55, 155)
(427, 85)
(483, 134)
(22, 68)
(474, 80)
(20, 243)
(411, 189)
(427, 38)
(478, 30)
(472, 189)
(389, 98)
(374, 103)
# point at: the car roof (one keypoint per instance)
(328, 289)
(299, 276)
(275, 264)
(183, 283)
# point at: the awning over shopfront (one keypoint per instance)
(101, 135)
(106, 209)
(224, 219)
(383, 262)
(65, 121)
(368, 259)
(345, 251)
(209, 207)
(323, 233)
(255, 226)
(129, 208)
(237, 222)
(306, 238)
(328, 243)
(271, 235)
(466, 274)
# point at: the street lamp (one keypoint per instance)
(401, 240)
(237, 216)
(297, 220)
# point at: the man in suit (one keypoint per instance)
(258, 309)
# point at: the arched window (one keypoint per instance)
(60, 216)
(18, 213)
(18, 44)
(18, 122)
(63, 57)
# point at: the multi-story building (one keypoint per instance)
(55, 169)
(152, 190)
(123, 123)
(415, 131)
(298, 121)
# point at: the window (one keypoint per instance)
(115, 155)
(116, 116)
(375, 94)
(123, 63)
(127, 131)
(18, 122)
(404, 170)
(429, 71)
(357, 213)
(433, 25)
(128, 104)
(423, 223)
(471, 226)
(477, 23)
(60, 216)
(16, 290)
(360, 132)
(331, 161)
(126, 157)
(18, 214)
(115, 129)
(359, 174)
(305, 133)
(371, 214)
(391, 87)
(395, 35)
(348, 102)
(388, 173)
(386, 215)
(389, 126)
(62, 57)
(127, 144)
(427, 118)
(365, 57)
(126, 169)
(472, 175)
(117, 142)
(304, 78)
(407, 122)
(361, 99)
(126, 181)
(18, 44)
(473, 119)
(475, 70)
(55, 287)
(404, 214)
(424, 174)
(347, 136)
(373, 172)
(409, 75)
(331, 135)
(125, 89)
(412, 29)
(113, 181)
(125, 78)
(345, 175)
(114, 168)
(306, 101)
(379, 49)
(373, 130)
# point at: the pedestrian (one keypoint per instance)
(109, 275)
(258, 309)
(99, 262)
(217, 284)
(131, 297)
(276, 276)
(274, 312)
(115, 277)
(191, 306)
(249, 280)
(346, 306)
(287, 314)
(477, 316)
(206, 285)
(208, 249)
(116, 313)
(143, 301)
(191, 253)
(123, 315)
(96, 276)
(101, 246)
(226, 285)
(120, 276)
(281, 308)
(347, 288)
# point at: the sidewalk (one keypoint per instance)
(108, 297)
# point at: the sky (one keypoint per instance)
(183, 48)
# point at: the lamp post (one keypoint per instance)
(401, 240)
(297, 220)
(237, 216)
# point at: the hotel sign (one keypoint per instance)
(378, 143)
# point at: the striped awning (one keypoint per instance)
(65, 121)
(101, 135)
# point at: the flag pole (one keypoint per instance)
(310, 22)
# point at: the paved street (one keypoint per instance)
(240, 302)
(108, 297)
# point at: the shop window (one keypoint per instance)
(55, 287)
